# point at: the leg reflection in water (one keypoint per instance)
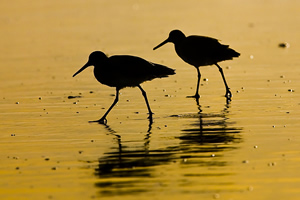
(125, 169)
(134, 166)
(209, 134)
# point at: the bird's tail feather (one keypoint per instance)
(162, 71)
(233, 53)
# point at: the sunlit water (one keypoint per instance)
(248, 149)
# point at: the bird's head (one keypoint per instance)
(95, 58)
(174, 37)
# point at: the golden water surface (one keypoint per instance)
(248, 149)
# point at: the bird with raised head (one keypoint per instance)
(201, 51)
(122, 71)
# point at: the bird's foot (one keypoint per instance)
(228, 96)
(150, 117)
(196, 96)
(100, 121)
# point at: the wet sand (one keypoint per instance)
(248, 149)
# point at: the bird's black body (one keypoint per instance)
(122, 71)
(203, 51)
(200, 51)
(128, 71)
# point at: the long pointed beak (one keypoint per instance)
(82, 68)
(161, 44)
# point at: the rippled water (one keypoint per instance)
(248, 149)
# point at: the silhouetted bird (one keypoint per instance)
(122, 71)
(201, 51)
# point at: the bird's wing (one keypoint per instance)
(201, 50)
(130, 66)
(134, 70)
(202, 43)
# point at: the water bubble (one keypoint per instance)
(271, 164)
(250, 188)
(284, 45)
(245, 161)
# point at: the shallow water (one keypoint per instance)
(248, 149)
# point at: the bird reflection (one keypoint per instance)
(133, 167)
(209, 134)
(129, 164)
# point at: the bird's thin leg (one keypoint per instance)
(198, 83)
(197, 96)
(103, 119)
(148, 106)
(228, 94)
